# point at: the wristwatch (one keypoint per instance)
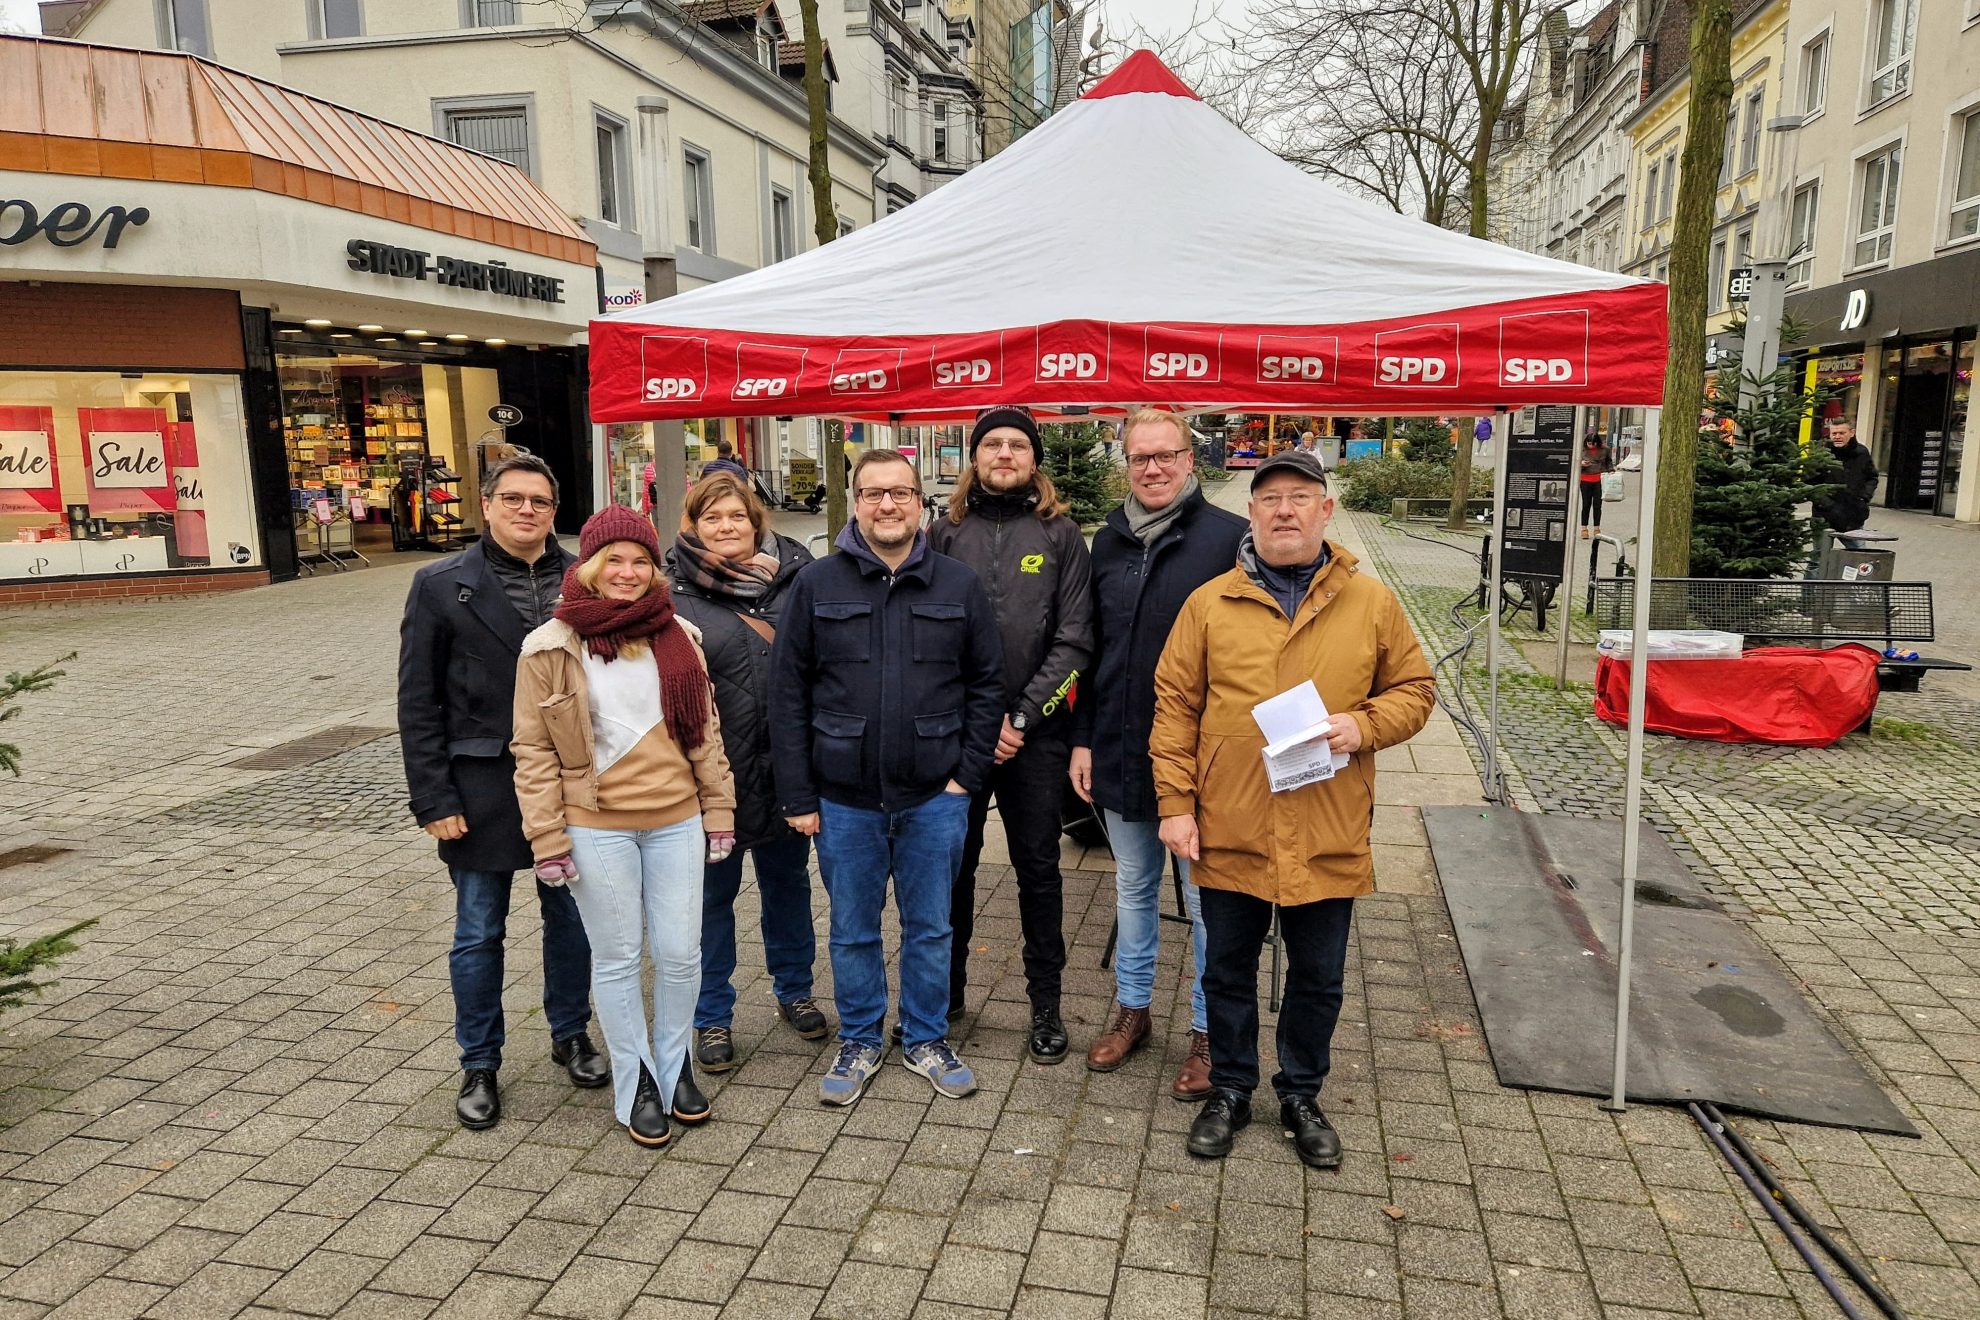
(1020, 721)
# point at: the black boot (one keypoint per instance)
(480, 1105)
(1319, 1146)
(1048, 1041)
(1217, 1124)
(586, 1066)
(690, 1105)
(648, 1125)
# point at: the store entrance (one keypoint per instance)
(1924, 443)
(379, 453)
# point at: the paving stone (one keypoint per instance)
(864, 1290)
(1147, 1295)
(595, 1288)
(975, 1276)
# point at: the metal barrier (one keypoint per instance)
(1794, 609)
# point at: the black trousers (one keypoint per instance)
(1316, 936)
(1028, 789)
(1591, 504)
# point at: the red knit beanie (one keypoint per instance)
(615, 522)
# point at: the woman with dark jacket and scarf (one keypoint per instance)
(730, 572)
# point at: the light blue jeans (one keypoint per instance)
(640, 889)
(1141, 865)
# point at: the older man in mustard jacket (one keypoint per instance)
(1294, 609)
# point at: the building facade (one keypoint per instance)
(1588, 192)
(1883, 232)
(680, 150)
(246, 333)
(1519, 175)
(905, 74)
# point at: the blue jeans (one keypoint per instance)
(783, 894)
(642, 889)
(474, 964)
(920, 847)
(1141, 864)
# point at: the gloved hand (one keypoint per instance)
(720, 844)
(556, 871)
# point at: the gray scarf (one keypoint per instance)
(1148, 525)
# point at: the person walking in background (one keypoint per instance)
(730, 575)
(1595, 459)
(1294, 610)
(1164, 542)
(626, 794)
(725, 461)
(886, 696)
(1007, 522)
(466, 617)
(1848, 508)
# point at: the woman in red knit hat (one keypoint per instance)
(625, 794)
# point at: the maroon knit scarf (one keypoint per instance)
(606, 625)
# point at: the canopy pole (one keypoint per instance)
(1574, 515)
(1501, 425)
(1639, 676)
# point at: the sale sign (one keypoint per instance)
(190, 524)
(30, 481)
(126, 460)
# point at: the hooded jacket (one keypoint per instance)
(1039, 578)
(884, 684)
(1349, 635)
(739, 664)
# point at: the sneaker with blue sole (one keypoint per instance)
(945, 1072)
(851, 1073)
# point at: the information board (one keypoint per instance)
(1539, 458)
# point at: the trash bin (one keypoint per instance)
(1860, 556)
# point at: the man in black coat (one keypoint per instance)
(466, 617)
(1849, 507)
(1163, 543)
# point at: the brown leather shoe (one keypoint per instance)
(1129, 1033)
(1193, 1078)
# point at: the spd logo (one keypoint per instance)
(1181, 356)
(1032, 564)
(1544, 348)
(1073, 353)
(962, 367)
(673, 368)
(867, 371)
(1422, 357)
(767, 371)
(1305, 360)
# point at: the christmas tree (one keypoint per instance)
(1427, 440)
(1081, 468)
(1745, 520)
(20, 961)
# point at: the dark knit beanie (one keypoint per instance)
(991, 418)
(615, 522)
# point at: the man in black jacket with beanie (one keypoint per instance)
(1007, 522)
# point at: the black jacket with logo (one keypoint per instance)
(1138, 592)
(739, 665)
(1039, 578)
(884, 684)
(458, 646)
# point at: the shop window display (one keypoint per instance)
(104, 473)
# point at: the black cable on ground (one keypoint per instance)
(1779, 1216)
(1856, 1271)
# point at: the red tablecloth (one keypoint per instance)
(1792, 695)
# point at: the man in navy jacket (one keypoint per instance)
(886, 698)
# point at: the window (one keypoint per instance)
(1743, 247)
(939, 112)
(336, 18)
(1650, 194)
(182, 26)
(1966, 178)
(490, 13)
(1731, 143)
(501, 131)
(1666, 198)
(845, 225)
(1876, 217)
(897, 108)
(1801, 234)
(783, 229)
(698, 192)
(766, 47)
(614, 172)
(1715, 281)
(1893, 32)
(1749, 140)
(1815, 75)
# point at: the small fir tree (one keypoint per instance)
(1079, 468)
(18, 962)
(1746, 519)
(19, 685)
(1427, 440)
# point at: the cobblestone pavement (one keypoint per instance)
(237, 1099)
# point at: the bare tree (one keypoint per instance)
(826, 220)
(1691, 238)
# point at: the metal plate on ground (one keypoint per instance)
(1536, 901)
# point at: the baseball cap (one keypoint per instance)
(1302, 461)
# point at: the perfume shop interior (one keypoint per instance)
(384, 453)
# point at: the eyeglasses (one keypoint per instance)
(1298, 499)
(514, 500)
(1155, 458)
(872, 495)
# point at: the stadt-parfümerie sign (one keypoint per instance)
(403, 263)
